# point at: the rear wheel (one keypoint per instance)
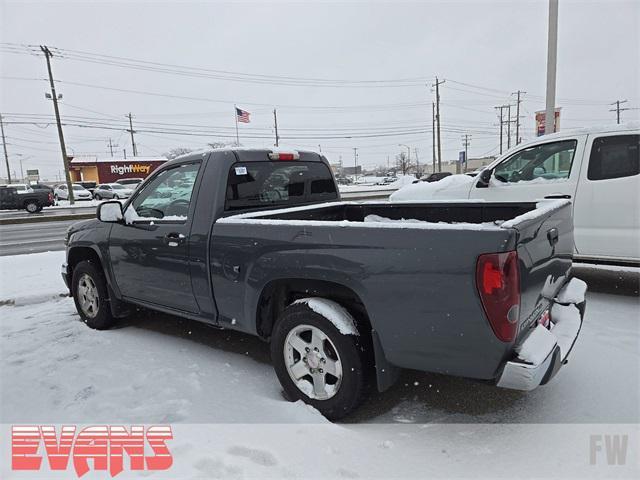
(32, 207)
(317, 363)
(89, 289)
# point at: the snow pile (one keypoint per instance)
(333, 312)
(453, 186)
(537, 346)
(379, 219)
(574, 292)
(31, 278)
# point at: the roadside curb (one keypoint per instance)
(46, 218)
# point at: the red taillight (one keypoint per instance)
(50, 197)
(498, 282)
(284, 156)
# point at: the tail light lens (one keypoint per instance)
(50, 197)
(498, 283)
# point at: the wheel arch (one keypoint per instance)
(278, 294)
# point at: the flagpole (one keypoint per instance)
(235, 115)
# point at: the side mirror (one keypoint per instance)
(110, 212)
(484, 178)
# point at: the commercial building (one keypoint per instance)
(108, 170)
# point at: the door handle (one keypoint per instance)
(552, 236)
(558, 196)
(174, 239)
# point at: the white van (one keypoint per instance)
(598, 169)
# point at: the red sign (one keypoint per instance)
(540, 119)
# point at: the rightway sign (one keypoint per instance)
(540, 119)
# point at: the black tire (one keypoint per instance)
(97, 197)
(350, 349)
(32, 206)
(103, 318)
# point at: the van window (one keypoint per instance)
(614, 157)
(261, 184)
(548, 161)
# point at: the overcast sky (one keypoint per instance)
(484, 50)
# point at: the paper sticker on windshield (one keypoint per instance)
(241, 170)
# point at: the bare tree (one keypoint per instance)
(403, 162)
(176, 152)
(221, 144)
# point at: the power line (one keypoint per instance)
(618, 109)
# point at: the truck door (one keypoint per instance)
(544, 170)
(149, 252)
(606, 216)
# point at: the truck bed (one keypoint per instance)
(415, 276)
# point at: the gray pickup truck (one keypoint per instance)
(346, 293)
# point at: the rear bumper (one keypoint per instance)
(544, 351)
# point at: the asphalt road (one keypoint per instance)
(33, 237)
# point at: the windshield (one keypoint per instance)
(259, 184)
(78, 187)
(117, 186)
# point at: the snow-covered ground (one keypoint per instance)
(218, 391)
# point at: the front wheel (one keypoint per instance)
(318, 361)
(89, 289)
(97, 197)
(32, 207)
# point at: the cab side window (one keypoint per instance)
(548, 161)
(614, 157)
(166, 197)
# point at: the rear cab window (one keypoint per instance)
(267, 184)
(614, 157)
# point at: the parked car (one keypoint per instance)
(91, 186)
(32, 202)
(346, 294)
(112, 190)
(79, 192)
(598, 170)
(433, 177)
(41, 186)
(130, 182)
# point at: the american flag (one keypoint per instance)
(242, 115)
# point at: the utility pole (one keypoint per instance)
(552, 57)
(111, 145)
(508, 126)
(415, 152)
(63, 148)
(501, 107)
(465, 143)
(618, 109)
(518, 102)
(6, 155)
(437, 85)
(433, 135)
(132, 131)
(355, 163)
(275, 125)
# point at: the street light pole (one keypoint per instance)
(552, 57)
